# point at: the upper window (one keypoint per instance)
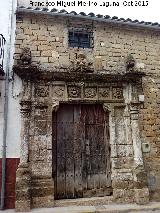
(80, 38)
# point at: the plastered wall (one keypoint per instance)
(7, 25)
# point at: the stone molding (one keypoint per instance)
(35, 73)
(25, 108)
(102, 92)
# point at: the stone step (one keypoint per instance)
(153, 207)
(128, 208)
(110, 208)
(93, 201)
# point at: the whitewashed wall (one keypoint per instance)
(7, 28)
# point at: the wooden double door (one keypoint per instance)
(81, 153)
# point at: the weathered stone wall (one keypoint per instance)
(150, 126)
(48, 40)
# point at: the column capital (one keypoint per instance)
(134, 106)
(25, 107)
(134, 111)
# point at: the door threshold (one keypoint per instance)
(84, 201)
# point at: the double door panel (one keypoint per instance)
(81, 154)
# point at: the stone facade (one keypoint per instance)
(55, 76)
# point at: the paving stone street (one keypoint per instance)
(111, 208)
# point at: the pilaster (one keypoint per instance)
(23, 175)
(140, 176)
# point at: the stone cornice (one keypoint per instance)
(34, 73)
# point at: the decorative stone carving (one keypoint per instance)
(81, 64)
(27, 90)
(55, 106)
(58, 91)
(42, 91)
(41, 110)
(40, 127)
(90, 92)
(117, 93)
(104, 93)
(107, 107)
(25, 56)
(130, 63)
(74, 92)
(25, 108)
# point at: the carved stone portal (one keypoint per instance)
(49, 91)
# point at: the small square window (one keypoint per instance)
(80, 39)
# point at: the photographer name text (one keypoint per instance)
(80, 3)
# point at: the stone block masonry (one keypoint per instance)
(49, 39)
(131, 123)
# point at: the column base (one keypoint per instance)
(23, 192)
(142, 196)
(22, 206)
(42, 192)
(123, 196)
(141, 189)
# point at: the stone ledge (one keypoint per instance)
(35, 73)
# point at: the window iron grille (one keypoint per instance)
(2, 45)
(80, 39)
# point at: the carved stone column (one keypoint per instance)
(138, 159)
(42, 153)
(107, 107)
(121, 154)
(140, 176)
(25, 125)
(23, 177)
(53, 109)
(110, 109)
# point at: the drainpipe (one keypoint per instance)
(4, 138)
(7, 79)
